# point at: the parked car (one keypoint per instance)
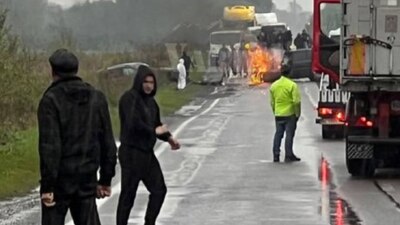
(116, 79)
(300, 64)
(300, 61)
(171, 73)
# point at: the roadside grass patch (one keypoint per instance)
(19, 165)
(170, 99)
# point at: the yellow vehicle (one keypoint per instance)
(239, 15)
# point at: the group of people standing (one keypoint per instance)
(276, 38)
(232, 60)
(76, 140)
(302, 40)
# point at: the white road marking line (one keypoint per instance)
(310, 97)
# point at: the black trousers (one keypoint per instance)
(187, 75)
(83, 211)
(139, 166)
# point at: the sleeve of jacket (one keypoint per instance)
(108, 155)
(49, 144)
(272, 100)
(164, 136)
(129, 112)
(296, 100)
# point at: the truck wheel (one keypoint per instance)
(339, 132)
(332, 131)
(361, 167)
(315, 78)
(326, 132)
(354, 167)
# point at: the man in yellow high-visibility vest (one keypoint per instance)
(286, 106)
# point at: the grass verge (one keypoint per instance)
(170, 99)
(19, 165)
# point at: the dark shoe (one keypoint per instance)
(292, 158)
(276, 158)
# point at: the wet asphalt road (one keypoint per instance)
(224, 174)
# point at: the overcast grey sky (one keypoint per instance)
(66, 3)
(281, 4)
(284, 4)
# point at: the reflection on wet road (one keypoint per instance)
(334, 209)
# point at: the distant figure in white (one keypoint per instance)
(236, 59)
(182, 74)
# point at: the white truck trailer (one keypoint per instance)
(370, 71)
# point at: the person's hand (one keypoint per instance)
(174, 143)
(103, 191)
(48, 199)
(161, 129)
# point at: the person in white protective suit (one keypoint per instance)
(182, 74)
(236, 59)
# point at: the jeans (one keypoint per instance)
(284, 125)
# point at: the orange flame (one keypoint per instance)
(261, 61)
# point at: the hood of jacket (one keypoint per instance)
(142, 73)
(74, 89)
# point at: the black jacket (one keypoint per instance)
(140, 115)
(75, 139)
(187, 61)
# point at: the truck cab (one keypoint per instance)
(325, 65)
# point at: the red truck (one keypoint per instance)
(325, 64)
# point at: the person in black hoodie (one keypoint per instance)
(187, 61)
(75, 140)
(140, 127)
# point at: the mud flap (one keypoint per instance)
(359, 151)
(360, 159)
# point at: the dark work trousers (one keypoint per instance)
(83, 211)
(284, 125)
(139, 166)
(187, 75)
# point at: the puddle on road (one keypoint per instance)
(333, 209)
